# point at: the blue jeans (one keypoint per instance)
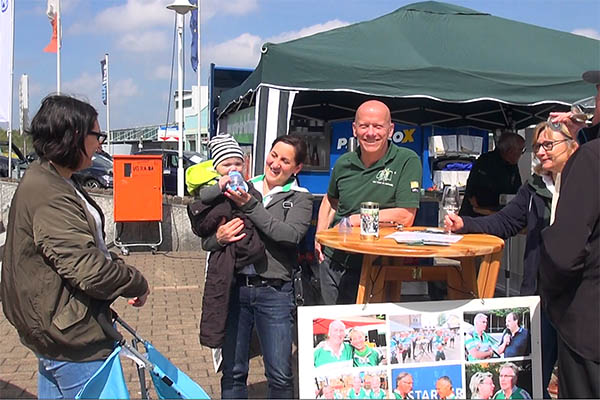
(63, 379)
(271, 310)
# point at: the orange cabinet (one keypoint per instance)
(137, 193)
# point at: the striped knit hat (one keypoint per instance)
(224, 146)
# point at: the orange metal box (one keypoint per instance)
(137, 193)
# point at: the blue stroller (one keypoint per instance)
(109, 382)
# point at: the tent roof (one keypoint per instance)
(425, 55)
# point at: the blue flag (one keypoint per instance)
(104, 69)
(194, 28)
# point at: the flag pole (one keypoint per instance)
(58, 45)
(110, 142)
(10, 91)
(199, 134)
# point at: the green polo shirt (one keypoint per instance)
(324, 355)
(361, 394)
(365, 358)
(517, 393)
(484, 341)
(393, 182)
(397, 395)
(381, 395)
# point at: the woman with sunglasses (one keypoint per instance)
(58, 278)
(531, 208)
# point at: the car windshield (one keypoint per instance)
(101, 161)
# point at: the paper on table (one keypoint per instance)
(416, 237)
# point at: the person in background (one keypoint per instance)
(509, 375)
(263, 297)
(479, 344)
(334, 349)
(482, 385)
(404, 386)
(438, 343)
(532, 208)
(58, 277)
(515, 340)
(377, 171)
(492, 174)
(570, 289)
(444, 389)
(362, 355)
(376, 391)
(357, 391)
(327, 392)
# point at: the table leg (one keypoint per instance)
(371, 281)
(488, 275)
(462, 283)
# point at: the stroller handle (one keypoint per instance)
(108, 327)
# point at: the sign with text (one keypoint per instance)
(480, 348)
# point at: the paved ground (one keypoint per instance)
(169, 320)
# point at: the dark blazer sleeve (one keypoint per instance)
(565, 244)
(507, 222)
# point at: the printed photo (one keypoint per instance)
(349, 342)
(499, 380)
(417, 338)
(498, 333)
(371, 384)
(435, 382)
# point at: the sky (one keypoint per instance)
(139, 37)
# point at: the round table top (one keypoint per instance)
(472, 244)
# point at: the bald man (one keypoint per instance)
(334, 348)
(377, 171)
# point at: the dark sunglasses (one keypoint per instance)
(101, 136)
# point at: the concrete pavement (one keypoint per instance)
(169, 320)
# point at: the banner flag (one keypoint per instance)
(104, 67)
(51, 11)
(6, 54)
(194, 29)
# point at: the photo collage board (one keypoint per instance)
(482, 348)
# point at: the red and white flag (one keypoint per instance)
(52, 12)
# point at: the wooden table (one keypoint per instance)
(382, 262)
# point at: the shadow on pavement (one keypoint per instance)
(10, 391)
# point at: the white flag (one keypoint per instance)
(6, 55)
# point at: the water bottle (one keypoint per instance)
(345, 227)
(236, 181)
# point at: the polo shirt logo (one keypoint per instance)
(384, 177)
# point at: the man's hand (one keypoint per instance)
(453, 222)
(140, 300)
(565, 118)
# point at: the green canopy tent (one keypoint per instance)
(432, 63)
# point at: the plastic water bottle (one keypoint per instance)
(236, 181)
(345, 227)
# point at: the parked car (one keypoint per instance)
(19, 162)
(170, 163)
(99, 175)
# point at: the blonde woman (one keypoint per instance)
(532, 208)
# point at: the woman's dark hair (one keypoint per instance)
(59, 128)
(297, 143)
